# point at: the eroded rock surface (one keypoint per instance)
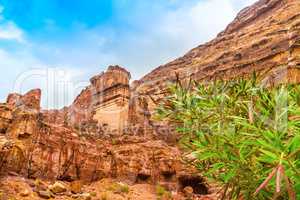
(264, 38)
(33, 147)
(29, 101)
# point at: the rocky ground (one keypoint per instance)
(14, 187)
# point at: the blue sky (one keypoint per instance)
(57, 45)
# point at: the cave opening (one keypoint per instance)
(168, 175)
(143, 178)
(65, 178)
(3, 131)
(196, 182)
(24, 136)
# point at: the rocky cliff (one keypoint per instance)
(39, 149)
(51, 145)
(76, 143)
(264, 38)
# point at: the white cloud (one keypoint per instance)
(238, 4)
(12, 64)
(59, 85)
(196, 24)
(9, 31)
(23, 72)
(170, 34)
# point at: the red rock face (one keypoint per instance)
(31, 100)
(5, 117)
(82, 108)
(260, 39)
(46, 145)
(13, 99)
(264, 38)
(39, 150)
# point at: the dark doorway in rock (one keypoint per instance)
(24, 136)
(3, 130)
(196, 182)
(168, 175)
(65, 178)
(143, 178)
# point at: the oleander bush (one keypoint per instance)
(244, 136)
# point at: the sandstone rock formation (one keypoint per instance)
(105, 101)
(111, 98)
(34, 144)
(79, 142)
(264, 38)
(5, 117)
(30, 101)
(40, 150)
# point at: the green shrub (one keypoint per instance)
(93, 194)
(124, 189)
(119, 188)
(162, 193)
(242, 135)
(113, 141)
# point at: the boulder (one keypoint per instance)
(25, 193)
(188, 191)
(84, 196)
(76, 187)
(45, 194)
(57, 188)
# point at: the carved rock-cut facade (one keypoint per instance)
(111, 96)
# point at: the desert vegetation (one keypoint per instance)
(240, 134)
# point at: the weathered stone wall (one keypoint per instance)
(264, 38)
(106, 101)
(37, 149)
(5, 117)
(111, 98)
(48, 145)
(113, 76)
(113, 114)
(29, 101)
